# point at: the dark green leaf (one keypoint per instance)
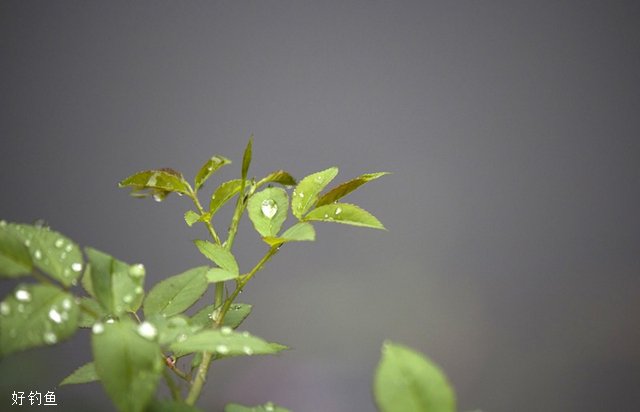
(406, 380)
(306, 193)
(176, 294)
(158, 183)
(280, 177)
(246, 158)
(219, 255)
(84, 374)
(226, 342)
(116, 285)
(301, 231)
(128, 364)
(267, 407)
(344, 213)
(36, 315)
(15, 259)
(345, 188)
(191, 217)
(237, 313)
(210, 166)
(223, 193)
(268, 210)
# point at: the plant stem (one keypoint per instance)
(175, 390)
(207, 222)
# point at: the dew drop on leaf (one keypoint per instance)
(50, 338)
(226, 330)
(97, 328)
(37, 254)
(222, 349)
(269, 208)
(54, 315)
(247, 350)
(338, 210)
(5, 309)
(23, 295)
(147, 330)
(59, 243)
(76, 267)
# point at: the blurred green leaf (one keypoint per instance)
(280, 177)
(90, 312)
(15, 259)
(237, 313)
(267, 407)
(306, 193)
(301, 231)
(406, 380)
(223, 193)
(176, 294)
(36, 315)
(345, 188)
(246, 158)
(117, 286)
(344, 213)
(158, 182)
(218, 255)
(268, 209)
(128, 364)
(226, 342)
(191, 217)
(207, 169)
(51, 252)
(84, 374)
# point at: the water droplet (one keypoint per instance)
(76, 267)
(27, 243)
(326, 216)
(222, 349)
(97, 328)
(301, 194)
(137, 270)
(23, 295)
(226, 330)
(182, 338)
(59, 243)
(158, 197)
(110, 321)
(269, 407)
(68, 248)
(37, 254)
(5, 309)
(147, 330)
(152, 180)
(246, 334)
(3, 223)
(127, 299)
(138, 290)
(66, 304)
(338, 210)
(50, 338)
(319, 179)
(269, 208)
(54, 315)
(247, 350)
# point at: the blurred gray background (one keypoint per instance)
(512, 131)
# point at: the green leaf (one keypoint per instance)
(223, 193)
(171, 328)
(301, 231)
(218, 255)
(51, 252)
(268, 210)
(267, 407)
(176, 294)
(306, 193)
(237, 313)
(279, 176)
(90, 312)
(84, 374)
(191, 217)
(344, 213)
(170, 406)
(345, 188)
(159, 183)
(117, 286)
(127, 364)
(405, 380)
(36, 315)
(246, 158)
(226, 342)
(210, 167)
(15, 259)
(216, 275)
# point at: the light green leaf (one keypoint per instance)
(405, 380)
(215, 275)
(345, 188)
(127, 364)
(84, 374)
(223, 193)
(170, 406)
(15, 259)
(246, 158)
(268, 209)
(237, 313)
(210, 167)
(117, 286)
(279, 176)
(159, 183)
(51, 252)
(176, 294)
(267, 407)
(344, 213)
(226, 342)
(218, 255)
(191, 217)
(36, 315)
(306, 193)
(301, 231)
(90, 312)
